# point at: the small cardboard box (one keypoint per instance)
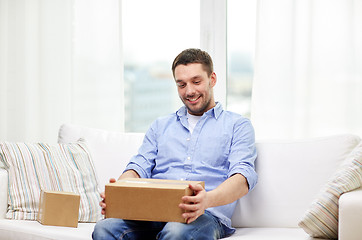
(58, 208)
(147, 199)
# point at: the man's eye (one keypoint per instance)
(181, 85)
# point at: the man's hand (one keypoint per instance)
(103, 196)
(227, 192)
(194, 205)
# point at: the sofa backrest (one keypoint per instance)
(291, 174)
(111, 151)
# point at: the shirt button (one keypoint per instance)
(188, 158)
(187, 139)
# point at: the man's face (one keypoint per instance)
(195, 88)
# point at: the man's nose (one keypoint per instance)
(190, 90)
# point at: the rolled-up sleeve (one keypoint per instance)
(144, 161)
(243, 152)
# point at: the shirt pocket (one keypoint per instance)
(214, 151)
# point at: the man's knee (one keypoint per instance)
(205, 227)
(113, 228)
(174, 230)
(100, 230)
(107, 229)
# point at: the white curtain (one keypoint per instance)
(59, 63)
(308, 68)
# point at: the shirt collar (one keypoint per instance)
(214, 112)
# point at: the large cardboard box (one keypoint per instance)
(59, 208)
(147, 199)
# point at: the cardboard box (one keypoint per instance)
(59, 208)
(147, 199)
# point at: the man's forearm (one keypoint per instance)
(229, 191)
(129, 174)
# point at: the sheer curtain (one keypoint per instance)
(59, 63)
(308, 68)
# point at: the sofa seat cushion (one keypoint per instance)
(32, 230)
(270, 234)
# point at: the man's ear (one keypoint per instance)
(213, 79)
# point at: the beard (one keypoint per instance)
(200, 108)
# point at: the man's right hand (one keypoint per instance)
(103, 196)
(127, 174)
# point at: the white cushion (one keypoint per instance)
(111, 151)
(291, 175)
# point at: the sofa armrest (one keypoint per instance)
(3, 192)
(350, 215)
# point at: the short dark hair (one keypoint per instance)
(194, 55)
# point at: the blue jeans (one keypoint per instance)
(205, 227)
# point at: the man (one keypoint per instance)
(201, 141)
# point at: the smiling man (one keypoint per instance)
(201, 141)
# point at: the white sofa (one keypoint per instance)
(291, 174)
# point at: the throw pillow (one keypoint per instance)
(59, 167)
(321, 219)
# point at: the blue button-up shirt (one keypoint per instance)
(221, 145)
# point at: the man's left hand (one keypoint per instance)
(194, 205)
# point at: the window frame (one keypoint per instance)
(213, 39)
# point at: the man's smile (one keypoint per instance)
(194, 99)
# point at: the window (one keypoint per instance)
(241, 19)
(154, 32)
